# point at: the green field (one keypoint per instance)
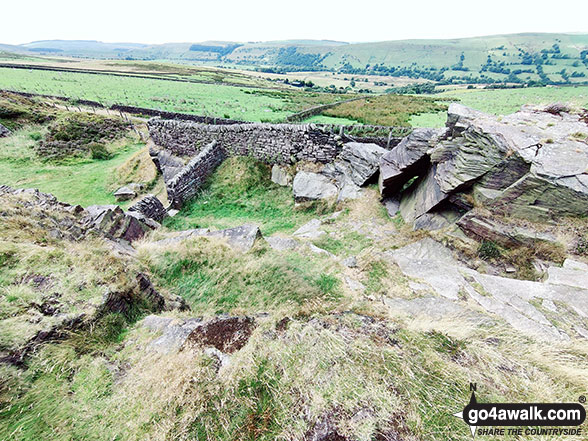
(198, 98)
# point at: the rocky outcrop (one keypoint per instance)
(486, 228)
(361, 160)
(532, 164)
(4, 131)
(513, 301)
(112, 222)
(151, 207)
(408, 159)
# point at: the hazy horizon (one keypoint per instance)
(260, 20)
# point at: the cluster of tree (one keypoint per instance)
(222, 51)
(427, 88)
(295, 60)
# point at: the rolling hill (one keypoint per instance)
(530, 58)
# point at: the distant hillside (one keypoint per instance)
(516, 58)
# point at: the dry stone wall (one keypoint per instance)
(271, 143)
(190, 179)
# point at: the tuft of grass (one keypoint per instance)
(489, 250)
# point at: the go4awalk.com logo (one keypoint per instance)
(518, 419)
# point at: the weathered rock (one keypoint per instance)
(114, 223)
(350, 262)
(312, 186)
(436, 220)
(534, 156)
(310, 230)
(435, 308)
(151, 207)
(281, 176)
(149, 293)
(227, 334)
(507, 298)
(124, 194)
(362, 160)
(421, 197)
(4, 131)
(392, 205)
(485, 228)
(168, 164)
(349, 191)
(174, 333)
(407, 160)
(242, 238)
(432, 262)
(282, 243)
(573, 273)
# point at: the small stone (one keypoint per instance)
(281, 176)
(124, 194)
(350, 262)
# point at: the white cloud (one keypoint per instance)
(358, 20)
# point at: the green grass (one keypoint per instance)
(386, 110)
(203, 99)
(77, 181)
(241, 191)
(505, 101)
(215, 278)
(323, 119)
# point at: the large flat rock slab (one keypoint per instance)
(514, 301)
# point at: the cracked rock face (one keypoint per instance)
(532, 164)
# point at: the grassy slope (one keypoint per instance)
(79, 181)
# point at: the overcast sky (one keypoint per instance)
(160, 21)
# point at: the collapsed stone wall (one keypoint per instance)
(271, 143)
(190, 179)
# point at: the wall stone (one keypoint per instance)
(190, 179)
(271, 143)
